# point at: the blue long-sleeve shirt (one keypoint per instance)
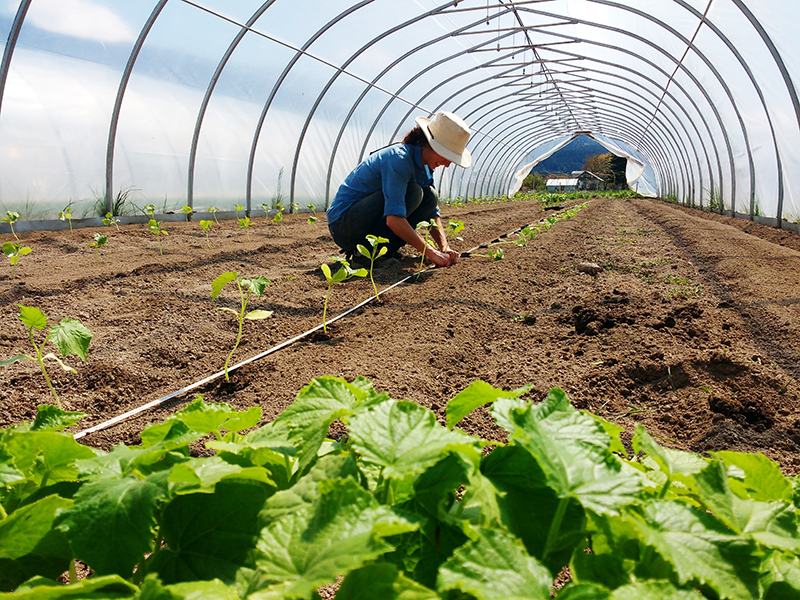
(388, 170)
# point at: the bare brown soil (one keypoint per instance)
(691, 328)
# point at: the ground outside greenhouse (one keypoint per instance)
(691, 327)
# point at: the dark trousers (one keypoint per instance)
(366, 217)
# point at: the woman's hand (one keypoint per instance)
(441, 259)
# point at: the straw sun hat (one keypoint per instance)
(448, 135)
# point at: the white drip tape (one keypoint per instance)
(281, 346)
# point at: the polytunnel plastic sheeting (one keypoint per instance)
(209, 102)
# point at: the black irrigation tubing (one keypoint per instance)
(281, 346)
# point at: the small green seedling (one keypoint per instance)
(110, 219)
(155, 227)
(425, 226)
(266, 208)
(453, 229)
(206, 225)
(213, 210)
(66, 215)
(13, 252)
(312, 220)
(344, 273)
(293, 208)
(100, 240)
(11, 218)
(245, 223)
(376, 252)
(256, 286)
(239, 208)
(70, 337)
(187, 210)
(278, 218)
(493, 253)
(150, 210)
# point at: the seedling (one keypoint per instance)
(187, 210)
(245, 223)
(110, 219)
(256, 286)
(344, 273)
(150, 210)
(69, 337)
(66, 215)
(266, 208)
(213, 210)
(156, 229)
(206, 225)
(13, 252)
(278, 218)
(312, 220)
(293, 208)
(100, 239)
(376, 252)
(493, 253)
(426, 226)
(453, 229)
(239, 208)
(11, 218)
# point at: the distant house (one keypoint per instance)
(588, 180)
(562, 185)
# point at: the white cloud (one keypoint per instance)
(79, 18)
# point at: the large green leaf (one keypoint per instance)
(71, 337)
(46, 456)
(780, 576)
(529, 506)
(763, 479)
(318, 404)
(30, 546)
(382, 582)
(92, 588)
(495, 567)
(404, 438)
(111, 525)
(675, 464)
(221, 281)
(700, 549)
(203, 474)
(643, 590)
(343, 530)
(153, 589)
(478, 393)
(52, 418)
(32, 317)
(207, 417)
(573, 451)
(773, 524)
(209, 535)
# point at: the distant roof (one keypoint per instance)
(562, 182)
(579, 173)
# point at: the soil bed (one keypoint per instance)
(692, 327)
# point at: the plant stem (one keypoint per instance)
(555, 526)
(41, 364)
(374, 287)
(241, 321)
(73, 572)
(3, 513)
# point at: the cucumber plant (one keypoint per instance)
(344, 273)
(69, 337)
(266, 208)
(66, 215)
(244, 223)
(100, 240)
(206, 226)
(278, 218)
(312, 220)
(213, 210)
(187, 210)
(377, 249)
(110, 220)
(11, 218)
(13, 252)
(424, 230)
(247, 287)
(157, 229)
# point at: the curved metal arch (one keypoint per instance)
(123, 84)
(710, 66)
(207, 98)
(720, 122)
(678, 104)
(276, 87)
(11, 44)
(500, 157)
(702, 56)
(674, 134)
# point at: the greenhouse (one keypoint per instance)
(293, 307)
(190, 103)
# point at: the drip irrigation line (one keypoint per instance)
(281, 346)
